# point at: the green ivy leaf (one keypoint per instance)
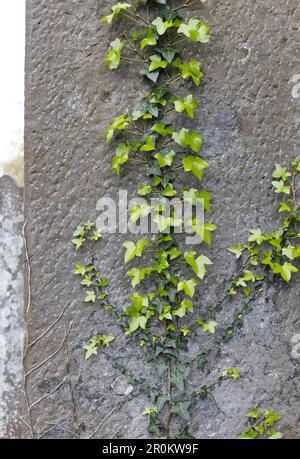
(237, 250)
(144, 189)
(281, 187)
(157, 63)
(116, 9)
(140, 211)
(188, 286)
(197, 264)
(161, 26)
(149, 144)
(196, 30)
(119, 123)
(181, 408)
(189, 70)
(114, 56)
(281, 173)
(90, 297)
(188, 104)
(165, 158)
(185, 138)
(121, 157)
(134, 250)
(194, 164)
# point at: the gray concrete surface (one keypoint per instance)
(11, 307)
(249, 120)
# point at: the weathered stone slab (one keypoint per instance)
(249, 121)
(11, 307)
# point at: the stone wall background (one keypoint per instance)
(248, 118)
(11, 307)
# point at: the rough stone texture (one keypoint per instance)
(249, 122)
(11, 307)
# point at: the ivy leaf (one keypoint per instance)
(134, 250)
(281, 187)
(157, 63)
(140, 211)
(203, 231)
(137, 276)
(256, 236)
(116, 9)
(149, 145)
(91, 349)
(121, 157)
(161, 400)
(144, 189)
(153, 76)
(188, 139)
(161, 129)
(275, 436)
(188, 104)
(181, 408)
(90, 297)
(96, 235)
(114, 56)
(119, 123)
(281, 173)
(106, 340)
(285, 270)
(169, 191)
(194, 164)
(137, 322)
(150, 40)
(80, 270)
(149, 410)
(197, 264)
(208, 326)
(196, 30)
(165, 158)
(189, 70)
(78, 242)
(237, 250)
(161, 26)
(79, 232)
(168, 53)
(188, 286)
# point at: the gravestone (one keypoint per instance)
(249, 120)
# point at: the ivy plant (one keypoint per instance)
(161, 315)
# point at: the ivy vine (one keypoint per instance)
(162, 316)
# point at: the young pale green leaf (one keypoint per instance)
(197, 264)
(280, 187)
(140, 211)
(185, 138)
(237, 250)
(157, 63)
(188, 104)
(144, 189)
(121, 157)
(188, 286)
(119, 123)
(208, 326)
(116, 9)
(90, 297)
(114, 56)
(149, 144)
(196, 30)
(134, 250)
(166, 159)
(281, 173)
(161, 26)
(189, 70)
(194, 164)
